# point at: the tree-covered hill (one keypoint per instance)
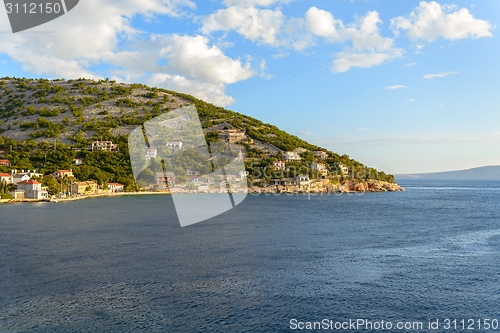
(46, 124)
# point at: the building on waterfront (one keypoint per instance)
(116, 187)
(89, 187)
(302, 181)
(33, 189)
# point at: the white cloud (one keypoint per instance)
(438, 75)
(430, 20)
(306, 133)
(394, 87)
(368, 49)
(193, 57)
(100, 33)
(348, 59)
(410, 100)
(247, 3)
(410, 64)
(322, 23)
(258, 25)
(210, 92)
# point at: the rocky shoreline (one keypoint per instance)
(369, 186)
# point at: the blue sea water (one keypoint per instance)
(125, 265)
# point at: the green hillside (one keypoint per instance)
(45, 125)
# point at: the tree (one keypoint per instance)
(52, 185)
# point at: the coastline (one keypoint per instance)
(348, 188)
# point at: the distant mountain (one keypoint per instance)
(482, 173)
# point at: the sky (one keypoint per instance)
(403, 86)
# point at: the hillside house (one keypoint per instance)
(5, 177)
(303, 181)
(78, 161)
(63, 174)
(116, 187)
(165, 178)
(32, 189)
(192, 173)
(320, 168)
(78, 188)
(30, 173)
(151, 152)
(285, 182)
(4, 163)
(291, 156)
(231, 135)
(320, 154)
(104, 146)
(344, 168)
(279, 165)
(19, 177)
(176, 146)
(243, 174)
(194, 178)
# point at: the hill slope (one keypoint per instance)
(46, 124)
(481, 173)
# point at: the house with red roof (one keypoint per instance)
(115, 187)
(33, 189)
(63, 174)
(4, 163)
(5, 177)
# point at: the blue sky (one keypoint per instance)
(404, 86)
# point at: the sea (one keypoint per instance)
(423, 260)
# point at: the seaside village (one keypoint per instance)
(317, 177)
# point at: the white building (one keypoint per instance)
(302, 181)
(32, 189)
(344, 168)
(292, 156)
(19, 177)
(320, 167)
(103, 146)
(5, 177)
(279, 165)
(175, 145)
(63, 174)
(77, 161)
(115, 187)
(320, 154)
(151, 152)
